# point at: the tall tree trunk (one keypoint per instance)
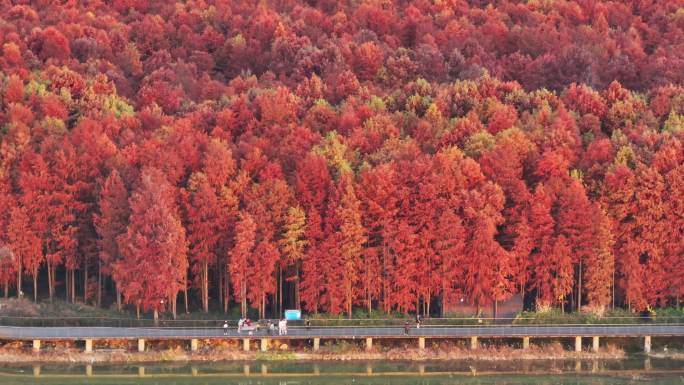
(118, 297)
(35, 285)
(262, 313)
(226, 293)
(496, 307)
(50, 287)
(85, 281)
(67, 285)
(443, 305)
(427, 305)
(222, 270)
(19, 282)
(612, 287)
(243, 303)
(99, 283)
(73, 285)
(579, 287)
(185, 296)
(137, 310)
(174, 300)
(369, 302)
(6, 288)
(280, 289)
(297, 293)
(205, 286)
(155, 315)
(385, 287)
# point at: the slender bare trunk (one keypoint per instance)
(6, 288)
(19, 282)
(85, 281)
(226, 301)
(496, 307)
(385, 287)
(49, 271)
(427, 305)
(73, 285)
(612, 287)
(262, 308)
(370, 302)
(99, 283)
(579, 287)
(222, 271)
(174, 299)
(280, 289)
(297, 295)
(118, 297)
(185, 296)
(205, 286)
(35, 285)
(243, 297)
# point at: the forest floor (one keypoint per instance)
(12, 307)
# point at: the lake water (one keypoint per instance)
(631, 371)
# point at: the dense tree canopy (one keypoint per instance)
(386, 155)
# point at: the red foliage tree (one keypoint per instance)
(154, 249)
(368, 59)
(240, 256)
(26, 249)
(111, 223)
(205, 222)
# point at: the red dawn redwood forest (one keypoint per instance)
(382, 155)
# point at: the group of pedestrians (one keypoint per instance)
(282, 326)
(407, 326)
(247, 323)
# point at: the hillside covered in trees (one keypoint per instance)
(378, 154)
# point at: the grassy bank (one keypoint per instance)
(65, 354)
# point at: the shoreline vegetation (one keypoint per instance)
(218, 352)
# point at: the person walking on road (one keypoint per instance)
(406, 328)
(225, 328)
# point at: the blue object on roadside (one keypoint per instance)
(293, 315)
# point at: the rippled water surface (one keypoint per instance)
(632, 371)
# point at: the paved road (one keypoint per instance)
(47, 333)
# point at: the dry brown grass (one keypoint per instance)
(226, 350)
